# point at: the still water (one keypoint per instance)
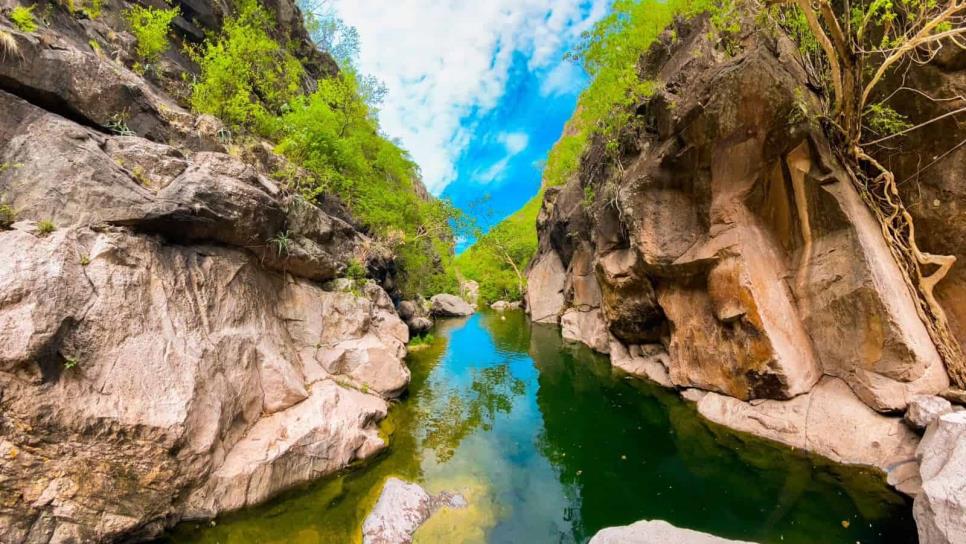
(549, 444)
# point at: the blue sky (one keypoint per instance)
(478, 92)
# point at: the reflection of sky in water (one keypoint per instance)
(506, 455)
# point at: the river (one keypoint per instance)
(550, 444)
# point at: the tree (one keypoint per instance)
(851, 48)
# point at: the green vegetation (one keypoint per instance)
(255, 85)
(422, 340)
(45, 227)
(355, 270)
(7, 215)
(150, 27)
(23, 18)
(71, 362)
(281, 242)
(498, 259)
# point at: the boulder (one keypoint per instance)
(831, 421)
(656, 532)
(500, 305)
(649, 361)
(940, 509)
(419, 326)
(586, 327)
(925, 409)
(407, 310)
(444, 305)
(401, 509)
(545, 289)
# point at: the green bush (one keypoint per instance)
(45, 227)
(246, 77)
(23, 18)
(7, 215)
(150, 27)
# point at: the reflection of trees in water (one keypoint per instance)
(510, 330)
(451, 419)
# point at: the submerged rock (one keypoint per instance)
(402, 508)
(940, 509)
(444, 305)
(656, 532)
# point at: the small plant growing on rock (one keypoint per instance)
(282, 243)
(45, 227)
(355, 270)
(23, 18)
(70, 362)
(85, 260)
(7, 215)
(8, 45)
(150, 27)
(118, 126)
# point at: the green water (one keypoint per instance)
(550, 444)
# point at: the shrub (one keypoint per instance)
(150, 27)
(355, 270)
(45, 227)
(23, 18)
(7, 216)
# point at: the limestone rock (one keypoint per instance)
(924, 410)
(830, 420)
(648, 362)
(586, 327)
(940, 509)
(443, 305)
(500, 305)
(656, 532)
(402, 508)
(545, 285)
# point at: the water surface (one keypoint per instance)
(550, 444)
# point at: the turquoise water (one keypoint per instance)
(550, 444)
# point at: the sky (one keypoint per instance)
(478, 91)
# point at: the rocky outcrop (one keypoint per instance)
(942, 456)
(174, 339)
(924, 410)
(402, 508)
(730, 253)
(656, 532)
(444, 305)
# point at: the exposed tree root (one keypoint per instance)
(882, 197)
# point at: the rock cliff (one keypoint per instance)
(724, 249)
(175, 341)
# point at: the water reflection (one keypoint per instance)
(549, 444)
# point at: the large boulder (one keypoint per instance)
(545, 289)
(445, 305)
(925, 409)
(656, 532)
(940, 509)
(401, 509)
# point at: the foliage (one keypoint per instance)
(246, 77)
(71, 362)
(498, 258)
(45, 227)
(882, 120)
(150, 27)
(281, 242)
(23, 18)
(422, 340)
(355, 270)
(255, 85)
(7, 215)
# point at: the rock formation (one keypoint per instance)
(444, 305)
(726, 251)
(171, 345)
(656, 532)
(402, 508)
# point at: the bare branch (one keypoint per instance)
(829, 49)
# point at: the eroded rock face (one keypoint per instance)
(730, 253)
(942, 457)
(656, 532)
(174, 372)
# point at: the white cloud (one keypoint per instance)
(443, 59)
(560, 80)
(514, 142)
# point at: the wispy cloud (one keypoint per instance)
(444, 61)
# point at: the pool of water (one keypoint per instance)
(550, 444)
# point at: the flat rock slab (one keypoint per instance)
(402, 508)
(656, 532)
